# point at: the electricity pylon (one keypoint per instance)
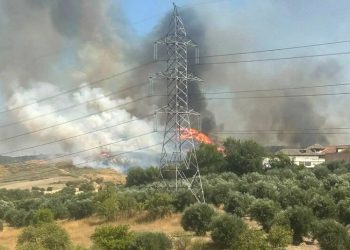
(178, 158)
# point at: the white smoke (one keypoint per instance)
(109, 112)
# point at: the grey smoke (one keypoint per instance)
(37, 34)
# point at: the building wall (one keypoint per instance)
(307, 160)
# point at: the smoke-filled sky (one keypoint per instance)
(51, 46)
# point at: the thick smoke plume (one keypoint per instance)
(52, 46)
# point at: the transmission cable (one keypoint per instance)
(78, 135)
(75, 119)
(92, 148)
(80, 87)
(72, 106)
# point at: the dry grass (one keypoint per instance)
(81, 230)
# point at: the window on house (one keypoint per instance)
(307, 164)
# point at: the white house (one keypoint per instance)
(309, 157)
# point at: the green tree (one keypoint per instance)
(159, 205)
(344, 211)
(79, 209)
(281, 161)
(152, 241)
(48, 236)
(210, 160)
(300, 219)
(238, 203)
(279, 237)
(43, 215)
(226, 230)
(263, 211)
(324, 206)
(113, 238)
(251, 239)
(197, 218)
(332, 236)
(183, 199)
(243, 156)
(139, 176)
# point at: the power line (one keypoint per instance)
(126, 152)
(80, 87)
(276, 89)
(275, 49)
(76, 119)
(273, 59)
(72, 106)
(276, 96)
(75, 136)
(92, 148)
(281, 132)
(152, 62)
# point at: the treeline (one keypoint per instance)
(291, 203)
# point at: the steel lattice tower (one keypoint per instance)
(178, 157)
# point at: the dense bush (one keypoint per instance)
(183, 199)
(45, 236)
(43, 215)
(159, 205)
(110, 237)
(301, 220)
(151, 241)
(238, 203)
(344, 211)
(332, 235)
(197, 218)
(210, 160)
(140, 176)
(324, 206)
(80, 208)
(226, 230)
(251, 239)
(264, 210)
(279, 237)
(243, 156)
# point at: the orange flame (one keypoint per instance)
(196, 135)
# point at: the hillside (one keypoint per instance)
(33, 172)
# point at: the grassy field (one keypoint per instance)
(81, 230)
(38, 173)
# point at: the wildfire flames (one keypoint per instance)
(198, 136)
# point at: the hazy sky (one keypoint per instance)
(61, 42)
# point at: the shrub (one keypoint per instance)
(332, 235)
(263, 211)
(43, 215)
(183, 199)
(238, 203)
(80, 208)
(30, 246)
(109, 237)
(159, 205)
(243, 156)
(197, 218)
(48, 236)
(323, 207)
(300, 219)
(344, 211)
(279, 237)
(139, 176)
(226, 230)
(251, 239)
(152, 241)
(210, 160)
